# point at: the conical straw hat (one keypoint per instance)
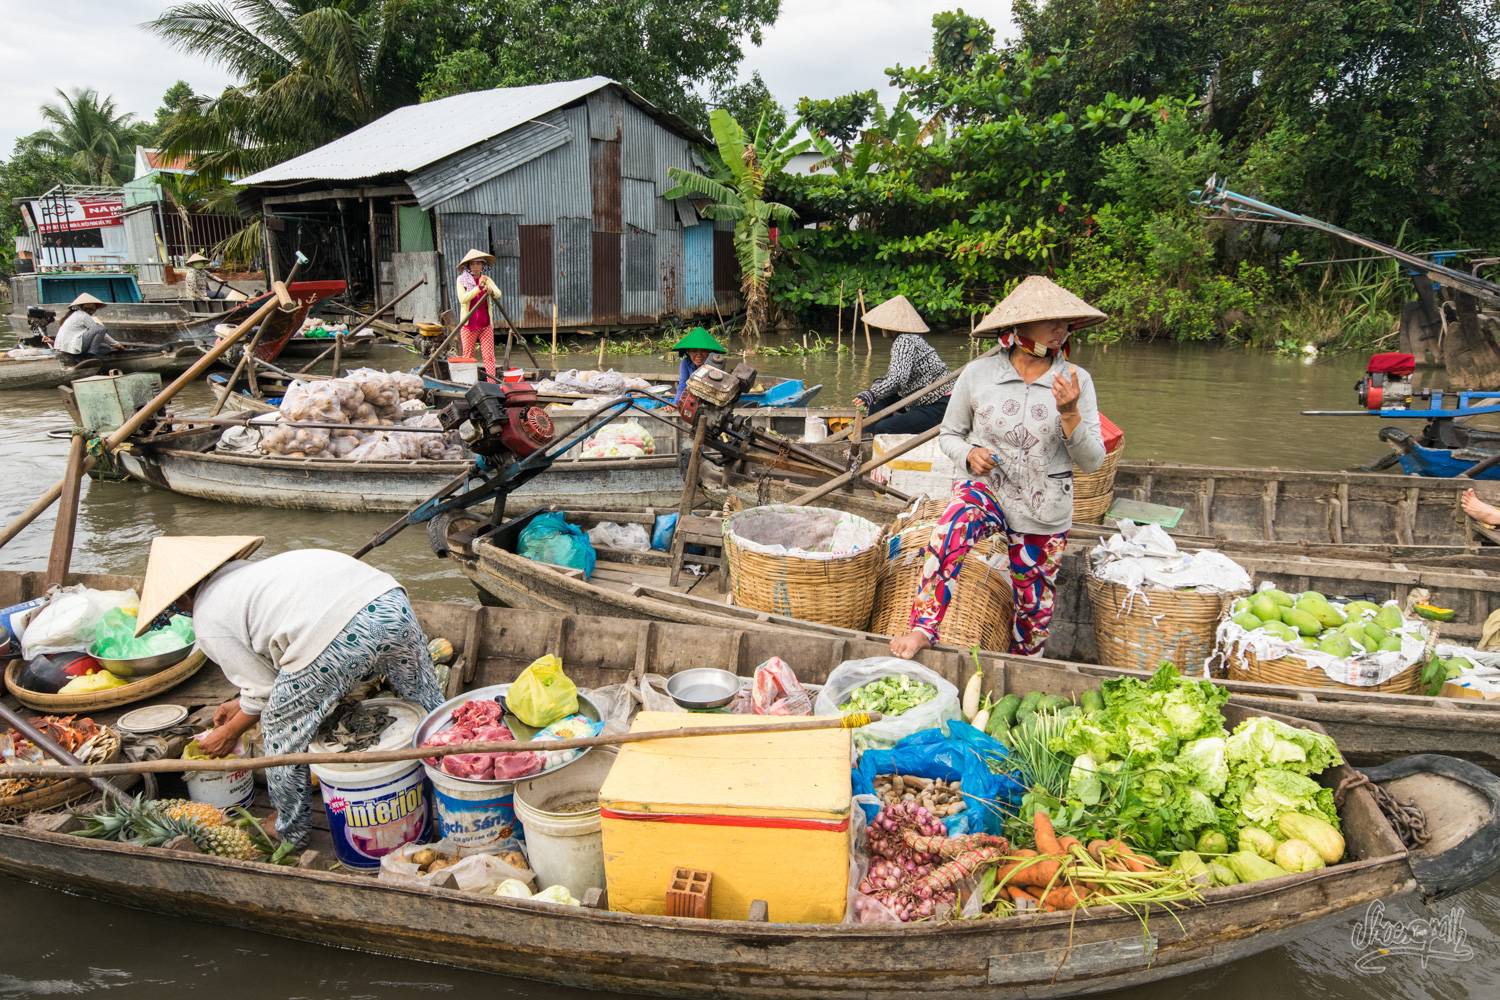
(86, 300)
(179, 563)
(1037, 298)
(196, 258)
(897, 315)
(475, 255)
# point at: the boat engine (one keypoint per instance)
(712, 387)
(39, 319)
(499, 420)
(1387, 382)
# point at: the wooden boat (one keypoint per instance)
(47, 373)
(282, 325)
(1041, 955)
(302, 348)
(186, 462)
(1369, 726)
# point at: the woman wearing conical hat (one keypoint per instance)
(914, 364)
(81, 336)
(479, 328)
(695, 348)
(296, 633)
(1017, 424)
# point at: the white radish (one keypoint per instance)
(981, 719)
(971, 694)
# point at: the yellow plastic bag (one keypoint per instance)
(99, 680)
(543, 693)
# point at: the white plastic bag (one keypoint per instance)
(68, 621)
(942, 707)
(620, 536)
(477, 870)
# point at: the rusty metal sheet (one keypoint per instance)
(604, 178)
(638, 208)
(536, 260)
(642, 297)
(572, 248)
(669, 269)
(726, 266)
(606, 276)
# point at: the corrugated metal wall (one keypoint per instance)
(554, 185)
(641, 300)
(698, 268)
(140, 245)
(461, 232)
(572, 249)
(505, 244)
(605, 264)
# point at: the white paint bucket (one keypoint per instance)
(814, 429)
(374, 809)
(473, 813)
(464, 371)
(222, 789)
(566, 848)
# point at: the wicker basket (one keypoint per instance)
(1093, 492)
(98, 701)
(832, 591)
(1293, 671)
(981, 609)
(51, 794)
(1138, 631)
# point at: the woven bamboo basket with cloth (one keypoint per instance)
(1138, 630)
(830, 589)
(1093, 492)
(1241, 664)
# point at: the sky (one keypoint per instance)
(818, 48)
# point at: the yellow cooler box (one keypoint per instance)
(768, 815)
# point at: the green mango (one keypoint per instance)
(1389, 617)
(1246, 621)
(1361, 609)
(1327, 615)
(1311, 595)
(1301, 621)
(1462, 663)
(1355, 632)
(1308, 642)
(1281, 597)
(1392, 644)
(1280, 630)
(1374, 634)
(1239, 606)
(1262, 607)
(1336, 644)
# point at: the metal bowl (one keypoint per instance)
(439, 717)
(144, 666)
(703, 687)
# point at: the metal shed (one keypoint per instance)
(562, 182)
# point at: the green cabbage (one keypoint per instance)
(1263, 742)
(1273, 793)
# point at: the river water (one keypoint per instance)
(1189, 404)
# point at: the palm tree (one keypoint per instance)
(90, 135)
(310, 71)
(736, 191)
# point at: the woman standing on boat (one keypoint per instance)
(479, 328)
(914, 364)
(695, 349)
(296, 633)
(1017, 424)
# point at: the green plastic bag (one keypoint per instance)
(114, 638)
(543, 693)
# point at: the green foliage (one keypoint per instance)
(750, 102)
(96, 141)
(839, 120)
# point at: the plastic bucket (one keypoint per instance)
(565, 848)
(464, 371)
(513, 374)
(473, 813)
(374, 809)
(222, 789)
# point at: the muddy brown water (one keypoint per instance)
(1205, 405)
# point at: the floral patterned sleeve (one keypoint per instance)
(903, 361)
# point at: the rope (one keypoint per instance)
(1407, 817)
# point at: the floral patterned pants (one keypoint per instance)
(484, 339)
(972, 515)
(383, 638)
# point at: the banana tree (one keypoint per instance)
(734, 189)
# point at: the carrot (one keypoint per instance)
(1067, 844)
(1095, 847)
(1022, 898)
(1024, 852)
(1046, 837)
(1132, 861)
(1062, 898)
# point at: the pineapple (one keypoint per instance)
(225, 842)
(201, 813)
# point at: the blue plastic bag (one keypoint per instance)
(962, 754)
(549, 538)
(661, 532)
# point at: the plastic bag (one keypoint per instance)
(115, 639)
(68, 621)
(859, 908)
(543, 694)
(661, 532)
(962, 754)
(628, 439)
(478, 869)
(549, 538)
(618, 703)
(854, 673)
(775, 690)
(610, 535)
(569, 727)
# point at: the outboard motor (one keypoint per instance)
(499, 420)
(1387, 382)
(39, 319)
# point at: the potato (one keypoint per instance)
(425, 856)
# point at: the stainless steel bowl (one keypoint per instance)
(703, 687)
(144, 666)
(439, 717)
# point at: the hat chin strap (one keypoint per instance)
(1036, 350)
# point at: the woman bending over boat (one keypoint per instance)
(296, 633)
(1018, 423)
(914, 364)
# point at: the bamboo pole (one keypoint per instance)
(907, 400)
(873, 464)
(869, 348)
(67, 514)
(854, 720)
(437, 352)
(601, 352)
(554, 329)
(838, 337)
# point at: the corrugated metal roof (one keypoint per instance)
(412, 137)
(465, 170)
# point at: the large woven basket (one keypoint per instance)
(1138, 631)
(837, 590)
(51, 794)
(981, 609)
(65, 704)
(1093, 492)
(1293, 671)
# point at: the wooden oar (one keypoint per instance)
(854, 720)
(822, 491)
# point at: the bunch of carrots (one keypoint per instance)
(1062, 873)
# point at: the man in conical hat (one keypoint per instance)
(696, 348)
(914, 364)
(1017, 425)
(296, 633)
(81, 336)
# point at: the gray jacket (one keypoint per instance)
(992, 407)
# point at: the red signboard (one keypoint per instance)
(58, 215)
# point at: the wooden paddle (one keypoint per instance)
(854, 720)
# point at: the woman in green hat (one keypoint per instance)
(695, 349)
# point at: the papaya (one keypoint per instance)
(1336, 644)
(1280, 630)
(1433, 613)
(1361, 609)
(1281, 597)
(1262, 607)
(1389, 617)
(1300, 620)
(1246, 621)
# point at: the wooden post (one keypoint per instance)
(67, 515)
(838, 337)
(862, 310)
(338, 353)
(689, 495)
(554, 329)
(374, 256)
(601, 350)
(856, 444)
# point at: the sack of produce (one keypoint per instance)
(948, 773)
(910, 696)
(542, 694)
(812, 563)
(68, 621)
(473, 869)
(549, 538)
(627, 439)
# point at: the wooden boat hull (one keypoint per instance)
(307, 348)
(48, 373)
